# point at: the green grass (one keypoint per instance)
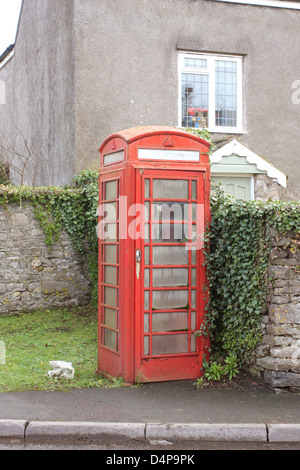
(32, 340)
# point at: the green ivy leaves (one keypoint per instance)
(237, 255)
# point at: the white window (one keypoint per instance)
(210, 92)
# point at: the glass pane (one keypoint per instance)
(173, 321)
(170, 344)
(194, 212)
(147, 212)
(110, 254)
(147, 255)
(194, 189)
(170, 233)
(170, 211)
(146, 345)
(194, 277)
(193, 343)
(195, 98)
(194, 299)
(197, 63)
(110, 296)
(169, 277)
(110, 318)
(147, 277)
(170, 299)
(226, 93)
(110, 275)
(147, 233)
(110, 211)
(146, 300)
(170, 189)
(194, 321)
(110, 339)
(147, 189)
(170, 255)
(146, 323)
(110, 232)
(111, 190)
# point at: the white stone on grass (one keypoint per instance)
(61, 369)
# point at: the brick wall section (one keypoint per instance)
(32, 276)
(278, 357)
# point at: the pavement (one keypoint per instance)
(169, 411)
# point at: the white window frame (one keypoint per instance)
(293, 5)
(210, 71)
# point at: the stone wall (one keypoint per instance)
(266, 188)
(278, 357)
(32, 276)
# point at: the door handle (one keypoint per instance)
(138, 259)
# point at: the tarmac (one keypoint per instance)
(164, 411)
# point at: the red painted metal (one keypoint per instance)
(126, 332)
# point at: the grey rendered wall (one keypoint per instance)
(126, 69)
(39, 89)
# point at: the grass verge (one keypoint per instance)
(32, 340)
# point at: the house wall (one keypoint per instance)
(39, 109)
(127, 70)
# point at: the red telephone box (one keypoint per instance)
(154, 207)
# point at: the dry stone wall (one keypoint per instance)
(33, 277)
(278, 357)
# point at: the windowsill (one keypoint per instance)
(226, 130)
(293, 5)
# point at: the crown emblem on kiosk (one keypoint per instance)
(168, 142)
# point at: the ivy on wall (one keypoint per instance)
(237, 252)
(238, 246)
(73, 208)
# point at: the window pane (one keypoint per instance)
(171, 321)
(110, 254)
(195, 100)
(110, 318)
(194, 299)
(110, 232)
(170, 189)
(197, 63)
(146, 345)
(169, 211)
(146, 300)
(170, 299)
(147, 255)
(170, 277)
(146, 323)
(147, 277)
(110, 296)
(226, 93)
(170, 255)
(193, 343)
(194, 189)
(110, 339)
(170, 344)
(110, 211)
(111, 190)
(110, 275)
(194, 277)
(170, 233)
(147, 189)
